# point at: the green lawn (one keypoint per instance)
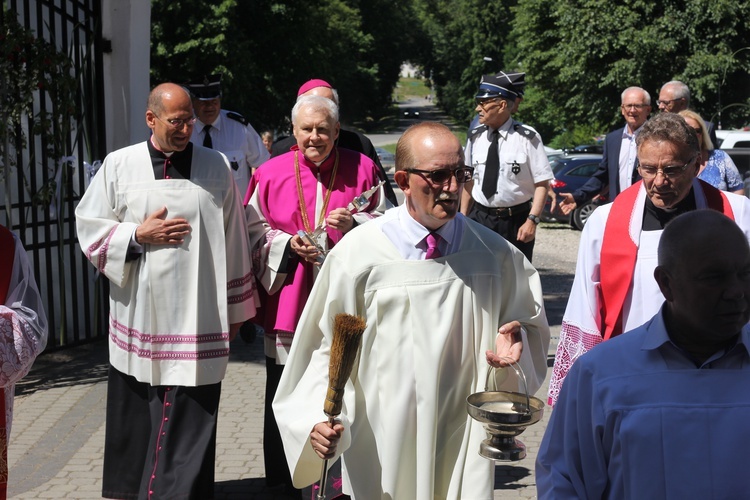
(406, 88)
(411, 87)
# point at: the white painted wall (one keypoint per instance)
(127, 23)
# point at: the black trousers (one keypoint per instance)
(277, 469)
(507, 227)
(160, 441)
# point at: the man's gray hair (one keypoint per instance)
(681, 91)
(646, 95)
(316, 103)
(669, 127)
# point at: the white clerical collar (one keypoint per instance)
(156, 146)
(319, 163)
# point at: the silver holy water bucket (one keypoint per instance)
(505, 415)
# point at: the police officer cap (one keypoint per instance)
(206, 89)
(507, 85)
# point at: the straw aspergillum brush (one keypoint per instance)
(347, 335)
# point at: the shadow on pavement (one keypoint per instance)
(556, 286)
(88, 364)
(428, 111)
(250, 488)
(507, 477)
(84, 364)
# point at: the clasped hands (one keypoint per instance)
(340, 219)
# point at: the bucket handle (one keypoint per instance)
(519, 373)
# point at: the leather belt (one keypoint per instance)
(524, 208)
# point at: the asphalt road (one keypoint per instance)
(427, 112)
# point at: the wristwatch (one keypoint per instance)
(534, 218)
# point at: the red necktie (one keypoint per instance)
(433, 251)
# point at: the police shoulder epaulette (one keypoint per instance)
(237, 117)
(476, 131)
(525, 131)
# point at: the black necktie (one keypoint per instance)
(491, 168)
(207, 142)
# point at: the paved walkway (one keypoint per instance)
(57, 439)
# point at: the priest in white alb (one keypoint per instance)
(163, 221)
(614, 290)
(444, 299)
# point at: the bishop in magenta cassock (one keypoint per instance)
(307, 188)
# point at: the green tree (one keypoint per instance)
(589, 51)
(265, 49)
(462, 34)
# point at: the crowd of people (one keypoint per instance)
(208, 228)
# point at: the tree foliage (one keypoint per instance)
(461, 34)
(266, 49)
(579, 55)
(589, 51)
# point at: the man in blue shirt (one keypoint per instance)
(662, 411)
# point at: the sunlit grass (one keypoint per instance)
(407, 88)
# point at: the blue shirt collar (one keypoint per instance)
(658, 336)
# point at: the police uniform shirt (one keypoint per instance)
(523, 163)
(240, 143)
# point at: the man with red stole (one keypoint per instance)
(310, 190)
(614, 290)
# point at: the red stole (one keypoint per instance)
(619, 253)
(7, 254)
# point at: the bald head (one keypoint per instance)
(429, 164)
(169, 91)
(170, 117)
(704, 275)
(698, 231)
(408, 149)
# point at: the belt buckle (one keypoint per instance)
(502, 212)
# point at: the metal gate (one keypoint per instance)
(45, 164)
